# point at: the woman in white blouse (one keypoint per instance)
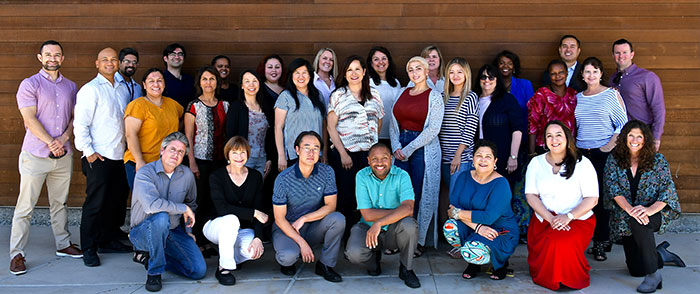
(325, 70)
(562, 188)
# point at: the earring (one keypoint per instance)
(495, 167)
(228, 162)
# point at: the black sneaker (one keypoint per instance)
(90, 257)
(153, 283)
(409, 277)
(225, 277)
(327, 273)
(288, 270)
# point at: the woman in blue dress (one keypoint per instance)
(481, 218)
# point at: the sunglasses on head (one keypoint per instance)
(484, 77)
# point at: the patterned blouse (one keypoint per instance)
(546, 106)
(357, 123)
(209, 123)
(654, 185)
(257, 126)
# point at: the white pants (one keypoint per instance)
(233, 242)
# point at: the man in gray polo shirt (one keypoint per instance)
(304, 201)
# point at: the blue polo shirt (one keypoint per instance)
(371, 192)
(303, 195)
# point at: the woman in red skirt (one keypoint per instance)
(562, 188)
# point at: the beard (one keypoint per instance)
(128, 71)
(48, 67)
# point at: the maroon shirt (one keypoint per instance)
(410, 111)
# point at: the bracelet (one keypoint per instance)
(477, 228)
(455, 213)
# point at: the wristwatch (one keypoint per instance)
(513, 157)
(570, 216)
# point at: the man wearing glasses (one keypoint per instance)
(640, 89)
(178, 85)
(128, 63)
(162, 215)
(304, 201)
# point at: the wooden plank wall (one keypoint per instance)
(666, 35)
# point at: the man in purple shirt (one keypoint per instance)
(640, 89)
(45, 101)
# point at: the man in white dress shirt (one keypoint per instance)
(99, 134)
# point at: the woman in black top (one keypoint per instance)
(236, 224)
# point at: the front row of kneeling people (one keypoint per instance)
(561, 187)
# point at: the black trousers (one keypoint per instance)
(345, 181)
(205, 207)
(105, 204)
(640, 248)
(602, 226)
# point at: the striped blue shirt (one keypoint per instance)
(459, 127)
(598, 118)
(303, 195)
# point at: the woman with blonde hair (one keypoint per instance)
(417, 120)
(435, 80)
(325, 71)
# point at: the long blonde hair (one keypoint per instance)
(449, 87)
(334, 71)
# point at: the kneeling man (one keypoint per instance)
(385, 200)
(304, 201)
(162, 216)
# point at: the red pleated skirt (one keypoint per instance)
(557, 257)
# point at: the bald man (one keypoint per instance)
(99, 135)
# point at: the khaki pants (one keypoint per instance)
(33, 172)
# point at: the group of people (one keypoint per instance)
(476, 155)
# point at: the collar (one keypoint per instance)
(573, 67)
(120, 79)
(159, 167)
(297, 171)
(630, 69)
(46, 75)
(103, 80)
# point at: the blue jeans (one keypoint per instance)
(415, 166)
(257, 163)
(130, 169)
(173, 250)
(445, 175)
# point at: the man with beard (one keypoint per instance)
(178, 85)
(128, 62)
(99, 134)
(45, 101)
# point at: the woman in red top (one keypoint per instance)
(417, 120)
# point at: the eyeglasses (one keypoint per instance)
(176, 151)
(484, 77)
(617, 78)
(173, 54)
(130, 62)
(308, 149)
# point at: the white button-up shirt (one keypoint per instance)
(98, 122)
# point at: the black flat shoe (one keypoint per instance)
(154, 283)
(668, 256)
(225, 277)
(288, 270)
(114, 247)
(409, 277)
(471, 271)
(327, 273)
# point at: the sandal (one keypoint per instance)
(599, 251)
(499, 274)
(471, 271)
(607, 246)
(391, 251)
(419, 251)
(141, 257)
(455, 252)
(509, 272)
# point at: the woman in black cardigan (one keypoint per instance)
(236, 224)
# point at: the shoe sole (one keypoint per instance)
(61, 254)
(18, 272)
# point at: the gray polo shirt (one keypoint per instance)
(155, 192)
(303, 195)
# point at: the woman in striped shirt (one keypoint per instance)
(600, 115)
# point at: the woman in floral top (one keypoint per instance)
(551, 102)
(642, 199)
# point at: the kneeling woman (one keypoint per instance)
(562, 188)
(236, 192)
(482, 222)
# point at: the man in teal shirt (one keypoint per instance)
(385, 199)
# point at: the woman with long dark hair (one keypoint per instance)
(382, 72)
(562, 189)
(299, 108)
(355, 114)
(642, 199)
